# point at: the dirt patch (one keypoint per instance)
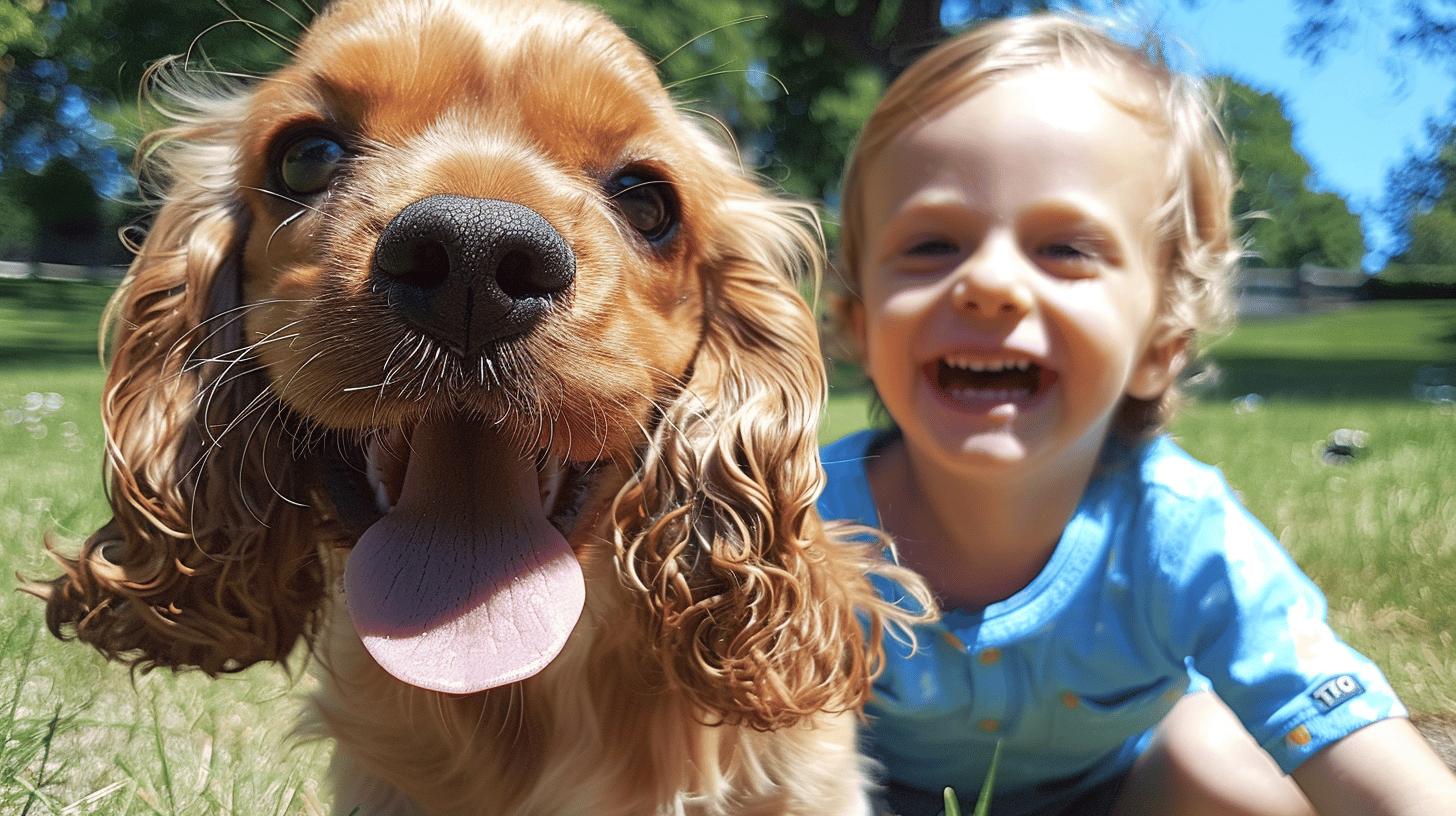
(1440, 731)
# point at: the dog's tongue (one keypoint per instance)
(464, 585)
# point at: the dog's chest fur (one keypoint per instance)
(595, 733)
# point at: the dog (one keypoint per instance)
(459, 353)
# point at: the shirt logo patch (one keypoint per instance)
(1332, 693)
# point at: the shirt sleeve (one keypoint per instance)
(1234, 603)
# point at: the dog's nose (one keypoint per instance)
(469, 271)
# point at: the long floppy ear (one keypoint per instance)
(208, 561)
(762, 618)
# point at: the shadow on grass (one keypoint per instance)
(1303, 378)
(50, 323)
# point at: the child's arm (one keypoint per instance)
(1255, 626)
(1384, 768)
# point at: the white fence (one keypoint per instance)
(49, 271)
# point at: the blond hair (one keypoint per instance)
(1194, 221)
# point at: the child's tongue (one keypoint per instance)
(464, 585)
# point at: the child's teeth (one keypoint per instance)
(994, 394)
(968, 364)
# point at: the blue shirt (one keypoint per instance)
(1161, 580)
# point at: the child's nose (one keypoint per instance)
(990, 286)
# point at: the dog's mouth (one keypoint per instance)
(464, 580)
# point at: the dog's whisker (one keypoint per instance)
(749, 71)
(267, 247)
(272, 35)
(740, 21)
(261, 78)
(263, 463)
(237, 355)
(639, 186)
(236, 312)
(291, 200)
(727, 134)
(207, 405)
(290, 15)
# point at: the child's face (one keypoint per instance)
(1010, 272)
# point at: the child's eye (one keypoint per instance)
(1063, 251)
(933, 247)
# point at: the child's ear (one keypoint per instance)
(847, 324)
(1162, 361)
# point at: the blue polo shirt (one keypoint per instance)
(1160, 582)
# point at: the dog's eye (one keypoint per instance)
(309, 162)
(646, 200)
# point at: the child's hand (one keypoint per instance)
(1384, 768)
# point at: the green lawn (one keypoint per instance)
(71, 725)
(1379, 535)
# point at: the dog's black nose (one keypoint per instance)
(468, 271)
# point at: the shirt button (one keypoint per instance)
(989, 726)
(989, 657)
(1299, 737)
(1070, 700)
(954, 642)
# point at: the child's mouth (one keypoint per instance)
(981, 383)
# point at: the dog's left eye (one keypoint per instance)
(646, 200)
(308, 164)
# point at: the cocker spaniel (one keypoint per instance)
(459, 352)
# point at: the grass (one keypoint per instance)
(1379, 535)
(75, 735)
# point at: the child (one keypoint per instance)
(1036, 225)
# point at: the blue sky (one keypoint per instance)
(1355, 115)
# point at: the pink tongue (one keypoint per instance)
(464, 585)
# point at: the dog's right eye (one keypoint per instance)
(646, 200)
(308, 163)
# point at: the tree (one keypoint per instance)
(1425, 28)
(1420, 197)
(1432, 239)
(1290, 223)
(1426, 180)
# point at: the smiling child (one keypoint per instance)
(1036, 228)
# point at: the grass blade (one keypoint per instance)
(165, 769)
(983, 803)
(45, 758)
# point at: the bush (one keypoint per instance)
(18, 229)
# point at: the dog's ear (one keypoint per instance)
(209, 560)
(760, 616)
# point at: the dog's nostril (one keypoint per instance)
(517, 275)
(426, 264)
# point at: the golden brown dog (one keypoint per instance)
(459, 352)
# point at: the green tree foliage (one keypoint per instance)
(1289, 223)
(792, 82)
(1421, 197)
(18, 228)
(1432, 238)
